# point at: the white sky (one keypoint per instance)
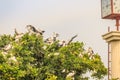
(66, 17)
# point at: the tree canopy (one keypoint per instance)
(28, 56)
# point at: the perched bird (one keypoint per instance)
(55, 35)
(32, 29)
(13, 58)
(52, 39)
(90, 52)
(16, 32)
(41, 31)
(71, 74)
(7, 47)
(80, 55)
(49, 40)
(17, 35)
(62, 43)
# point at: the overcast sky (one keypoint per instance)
(66, 17)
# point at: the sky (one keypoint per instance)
(66, 17)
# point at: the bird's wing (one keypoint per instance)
(72, 39)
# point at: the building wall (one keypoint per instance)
(115, 56)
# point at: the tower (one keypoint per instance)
(110, 9)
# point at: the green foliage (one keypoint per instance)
(30, 58)
(4, 40)
(51, 77)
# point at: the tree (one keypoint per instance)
(28, 56)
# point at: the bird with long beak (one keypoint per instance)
(32, 29)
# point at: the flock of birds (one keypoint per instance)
(32, 30)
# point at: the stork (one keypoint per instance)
(32, 29)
